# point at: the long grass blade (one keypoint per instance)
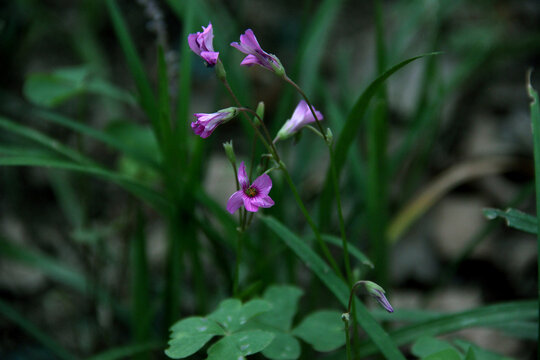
(141, 314)
(146, 96)
(33, 330)
(124, 352)
(491, 315)
(141, 191)
(97, 135)
(44, 140)
(337, 286)
(350, 130)
(535, 119)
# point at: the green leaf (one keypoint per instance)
(353, 250)
(238, 345)
(448, 354)
(336, 286)
(138, 189)
(53, 88)
(232, 315)
(479, 353)
(514, 218)
(351, 129)
(425, 346)
(284, 300)
(128, 351)
(132, 139)
(324, 330)
(41, 336)
(44, 140)
(189, 335)
(283, 347)
(479, 317)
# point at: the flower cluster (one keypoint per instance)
(250, 196)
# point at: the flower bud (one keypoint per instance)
(378, 293)
(229, 151)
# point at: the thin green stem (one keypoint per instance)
(335, 183)
(345, 318)
(238, 261)
(314, 228)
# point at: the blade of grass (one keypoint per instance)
(515, 219)
(44, 140)
(535, 119)
(141, 191)
(314, 42)
(33, 330)
(491, 315)
(448, 180)
(45, 264)
(97, 135)
(141, 315)
(146, 96)
(377, 181)
(354, 120)
(128, 351)
(360, 256)
(337, 286)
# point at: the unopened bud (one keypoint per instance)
(229, 151)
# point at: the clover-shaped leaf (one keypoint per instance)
(191, 334)
(240, 344)
(323, 330)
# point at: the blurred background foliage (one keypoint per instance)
(109, 232)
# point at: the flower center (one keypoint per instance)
(251, 192)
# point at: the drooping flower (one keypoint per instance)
(300, 118)
(207, 123)
(378, 293)
(256, 55)
(201, 44)
(251, 196)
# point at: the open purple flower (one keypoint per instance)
(256, 55)
(201, 44)
(251, 196)
(300, 118)
(207, 123)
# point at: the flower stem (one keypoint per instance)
(314, 228)
(335, 185)
(345, 318)
(238, 261)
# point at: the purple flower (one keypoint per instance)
(257, 56)
(201, 44)
(251, 196)
(378, 293)
(207, 123)
(300, 118)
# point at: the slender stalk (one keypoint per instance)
(345, 318)
(267, 142)
(238, 261)
(334, 178)
(314, 228)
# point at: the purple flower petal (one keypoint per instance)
(381, 298)
(301, 117)
(250, 205)
(242, 176)
(263, 184)
(263, 201)
(201, 43)
(235, 201)
(210, 57)
(251, 60)
(256, 55)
